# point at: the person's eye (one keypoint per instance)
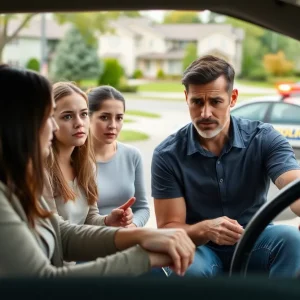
(67, 117)
(85, 114)
(215, 102)
(197, 102)
(103, 118)
(120, 118)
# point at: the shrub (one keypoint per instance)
(125, 88)
(33, 64)
(112, 73)
(160, 74)
(257, 74)
(137, 74)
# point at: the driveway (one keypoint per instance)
(174, 114)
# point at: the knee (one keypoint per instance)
(203, 269)
(288, 235)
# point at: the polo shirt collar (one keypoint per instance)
(235, 140)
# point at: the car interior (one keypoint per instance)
(281, 16)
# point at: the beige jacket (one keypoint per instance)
(21, 247)
(93, 217)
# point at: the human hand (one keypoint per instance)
(132, 225)
(121, 216)
(169, 247)
(224, 231)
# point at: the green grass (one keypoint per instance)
(176, 86)
(128, 120)
(131, 96)
(140, 113)
(162, 86)
(132, 136)
(262, 84)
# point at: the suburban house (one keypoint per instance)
(27, 45)
(139, 44)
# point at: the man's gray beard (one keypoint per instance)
(209, 134)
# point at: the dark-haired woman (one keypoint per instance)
(119, 166)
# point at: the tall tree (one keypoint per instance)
(253, 48)
(215, 18)
(75, 59)
(190, 54)
(6, 36)
(181, 16)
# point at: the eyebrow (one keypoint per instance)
(216, 98)
(107, 113)
(210, 98)
(71, 111)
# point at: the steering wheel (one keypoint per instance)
(258, 223)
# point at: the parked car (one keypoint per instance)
(283, 112)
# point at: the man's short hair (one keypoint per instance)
(207, 69)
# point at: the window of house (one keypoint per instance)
(114, 41)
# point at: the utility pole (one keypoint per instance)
(43, 64)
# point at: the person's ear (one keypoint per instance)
(234, 97)
(186, 96)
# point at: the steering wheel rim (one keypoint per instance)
(258, 223)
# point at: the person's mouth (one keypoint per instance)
(110, 135)
(79, 134)
(206, 123)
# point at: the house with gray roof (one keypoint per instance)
(27, 44)
(140, 44)
(137, 43)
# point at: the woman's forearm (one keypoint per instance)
(128, 237)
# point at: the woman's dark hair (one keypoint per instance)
(96, 96)
(207, 69)
(26, 102)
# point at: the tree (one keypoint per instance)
(190, 54)
(277, 64)
(75, 59)
(253, 48)
(87, 23)
(214, 18)
(180, 16)
(253, 53)
(112, 73)
(131, 13)
(5, 19)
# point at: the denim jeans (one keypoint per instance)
(276, 253)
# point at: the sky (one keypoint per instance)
(158, 15)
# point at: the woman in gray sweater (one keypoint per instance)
(34, 241)
(120, 174)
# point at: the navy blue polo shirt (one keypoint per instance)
(235, 184)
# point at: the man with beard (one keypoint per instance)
(213, 175)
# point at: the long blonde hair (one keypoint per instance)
(82, 158)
